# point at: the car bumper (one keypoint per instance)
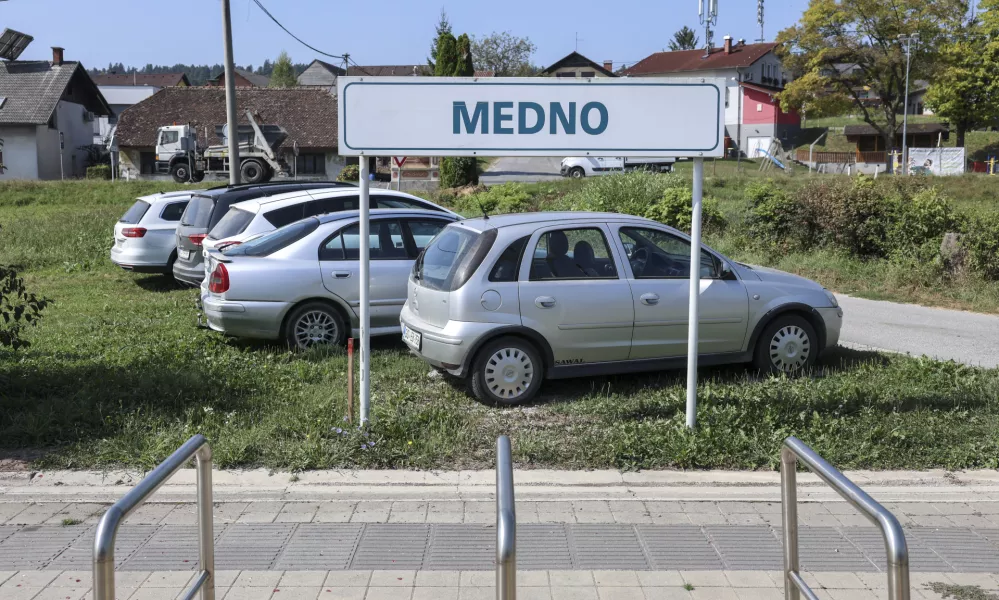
(833, 319)
(260, 320)
(564, 171)
(189, 273)
(141, 260)
(446, 347)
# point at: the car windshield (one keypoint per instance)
(233, 223)
(134, 215)
(444, 256)
(275, 240)
(198, 212)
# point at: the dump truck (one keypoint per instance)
(179, 154)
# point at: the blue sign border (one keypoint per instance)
(343, 104)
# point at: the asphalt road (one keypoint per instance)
(965, 337)
(525, 169)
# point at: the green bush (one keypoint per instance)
(459, 171)
(629, 193)
(349, 173)
(981, 243)
(499, 199)
(775, 221)
(675, 209)
(920, 224)
(99, 172)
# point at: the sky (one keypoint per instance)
(137, 32)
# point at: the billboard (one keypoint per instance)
(457, 116)
(936, 161)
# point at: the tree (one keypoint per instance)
(283, 75)
(504, 53)
(443, 27)
(454, 59)
(848, 52)
(684, 39)
(465, 66)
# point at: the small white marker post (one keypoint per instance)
(695, 292)
(365, 284)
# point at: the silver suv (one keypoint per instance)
(510, 300)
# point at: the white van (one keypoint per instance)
(588, 166)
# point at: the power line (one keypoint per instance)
(300, 40)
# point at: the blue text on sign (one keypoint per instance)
(510, 117)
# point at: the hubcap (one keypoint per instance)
(509, 373)
(315, 327)
(789, 348)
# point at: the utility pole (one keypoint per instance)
(709, 19)
(230, 96)
(908, 41)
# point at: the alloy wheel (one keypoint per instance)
(790, 348)
(315, 327)
(509, 372)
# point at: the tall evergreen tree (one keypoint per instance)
(443, 27)
(283, 75)
(684, 39)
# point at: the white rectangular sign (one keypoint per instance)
(538, 116)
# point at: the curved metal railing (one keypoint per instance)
(107, 529)
(506, 523)
(895, 546)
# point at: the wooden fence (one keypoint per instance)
(842, 158)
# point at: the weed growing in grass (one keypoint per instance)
(71, 522)
(961, 592)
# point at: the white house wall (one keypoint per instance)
(76, 132)
(48, 152)
(20, 152)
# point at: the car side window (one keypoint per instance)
(280, 217)
(580, 253)
(384, 201)
(424, 230)
(173, 211)
(325, 206)
(507, 266)
(655, 254)
(385, 239)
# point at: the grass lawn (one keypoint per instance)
(118, 374)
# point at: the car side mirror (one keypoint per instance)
(726, 272)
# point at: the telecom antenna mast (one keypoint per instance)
(709, 19)
(759, 19)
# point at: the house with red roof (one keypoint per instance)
(754, 76)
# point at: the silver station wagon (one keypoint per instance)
(300, 283)
(510, 300)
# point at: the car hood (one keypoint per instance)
(780, 277)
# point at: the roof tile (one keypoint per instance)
(694, 60)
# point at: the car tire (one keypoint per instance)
(507, 371)
(577, 173)
(788, 345)
(252, 171)
(180, 172)
(313, 324)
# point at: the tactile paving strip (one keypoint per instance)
(170, 548)
(962, 548)
(673, 547)
(251, 546)
(35, 546)
(391, 546)
(80, 554)
(747, 547)
(320, 547)
(542, 547)
(461, 547)
(826, 549)
(606, 547)
(872, 543)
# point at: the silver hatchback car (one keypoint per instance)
(510, 300)
(300, 283)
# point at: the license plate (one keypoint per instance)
(185, 254)
(411, 337)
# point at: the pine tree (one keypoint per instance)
(684, 39)
(443, 27)
(283, 75)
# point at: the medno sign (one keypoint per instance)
(439, 116)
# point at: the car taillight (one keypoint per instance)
(197, 238)
(225, 245)
(133, 232)
(218, 283)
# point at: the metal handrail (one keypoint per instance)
(506, 523)
(107, 529)
(891, 529)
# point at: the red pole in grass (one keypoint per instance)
(350, 381)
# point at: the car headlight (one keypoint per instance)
(832, 297)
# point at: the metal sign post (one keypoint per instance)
(465, 116)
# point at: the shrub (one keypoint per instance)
(19, 308)
(349, 173)
(459, 171)
(981, 242)
(99, 172)
(920, 223)
(630, 193)
(775, 221)
(675, 209)
(499, 199)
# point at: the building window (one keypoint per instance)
(566, 74)
(588, 74)
(311, 164)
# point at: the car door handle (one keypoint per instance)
(650, 299)
(544, 302)
(341, 274)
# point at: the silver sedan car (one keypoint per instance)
(510, 300)
(300, 283)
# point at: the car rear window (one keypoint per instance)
(279, 217)
(134, 214)
(233, 223)
(275, 240)
(451, 258)
(198, 212)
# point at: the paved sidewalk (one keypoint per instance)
(479, 585)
